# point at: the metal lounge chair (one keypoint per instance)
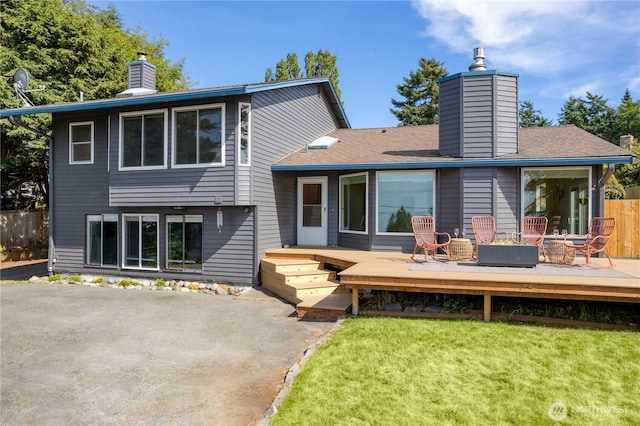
(484, 231)
(532, 231)
(427, 238)
(600, 232)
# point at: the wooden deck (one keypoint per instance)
(363, 270)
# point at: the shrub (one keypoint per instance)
(98, 280)
(55, 277)
(160, 282)
(126, 283)
(75, 278)
(194, 286)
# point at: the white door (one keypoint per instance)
(312, 211)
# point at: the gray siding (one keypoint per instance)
(479, 115)
(77, 190)
(478, 100)
(450, 125)
(282, 121)
(506, 115)
(477, 195)
(199, 186)
(507, 199)
(448, 201)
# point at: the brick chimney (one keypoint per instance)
(142, 78)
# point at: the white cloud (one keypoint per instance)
(543, 37)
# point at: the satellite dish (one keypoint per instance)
(21, 79)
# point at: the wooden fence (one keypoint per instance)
(24, 228)
(626, 239)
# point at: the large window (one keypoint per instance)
(244, 145)
(198, 136)
(562, 195)
(353, 203)
(402, 195)
(184, 242)
(140, 241)
(102, 240)
(143, 139)
(81, 143)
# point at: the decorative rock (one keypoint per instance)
(413, 309)
(185, 289)
(237, 291)
(393, 307)
(34, 279)
(112, 281)
(433, 309)
(167, 289)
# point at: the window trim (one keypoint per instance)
(124, 241)
(166, 237)
(366, 198)
(104, 217)
(589, 170)
(239, 139)
(174, 150)
(72, 143)
(433, 198)
(121, 118)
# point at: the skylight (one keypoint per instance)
(323, 142)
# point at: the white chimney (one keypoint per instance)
(626, 141)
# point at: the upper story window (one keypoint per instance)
(81, 143)
(143, 139)
(401, 195)
(198, 136)
(244, 135)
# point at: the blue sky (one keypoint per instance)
(558, 48)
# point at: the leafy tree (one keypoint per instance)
(629, 174)
(69, 47)
(531, 117)
(421, 94)
(592, 114)
(321, 64)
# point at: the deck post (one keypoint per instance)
(487, 307)
(354, 301)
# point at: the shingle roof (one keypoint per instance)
(409, 145)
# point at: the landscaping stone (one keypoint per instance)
(393, 307)
(433, 309)
(413, 309)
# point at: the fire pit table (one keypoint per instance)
(514, 255)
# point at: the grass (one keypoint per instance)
(382, 371)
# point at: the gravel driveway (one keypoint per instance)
(83, 355)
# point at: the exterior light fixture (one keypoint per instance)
(219, 219)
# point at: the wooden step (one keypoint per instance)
(282, 265)
(329, 306)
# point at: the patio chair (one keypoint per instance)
(484, 231)
(532, 231)
(600, 232)
(427, 238)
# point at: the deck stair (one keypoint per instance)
(314, 290)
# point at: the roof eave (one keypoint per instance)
(439, 164)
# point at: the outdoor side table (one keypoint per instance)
(460, 249)
(555, 252)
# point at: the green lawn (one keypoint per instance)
(388, 371)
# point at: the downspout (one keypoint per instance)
(17, 121)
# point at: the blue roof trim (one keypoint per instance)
(473, 73)
(141, 62)
(173, 96)
(511, 162)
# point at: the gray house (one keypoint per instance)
(203, 182)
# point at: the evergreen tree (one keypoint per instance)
(320, 64)
(531, 117)
(420, 92)
(593, 115)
